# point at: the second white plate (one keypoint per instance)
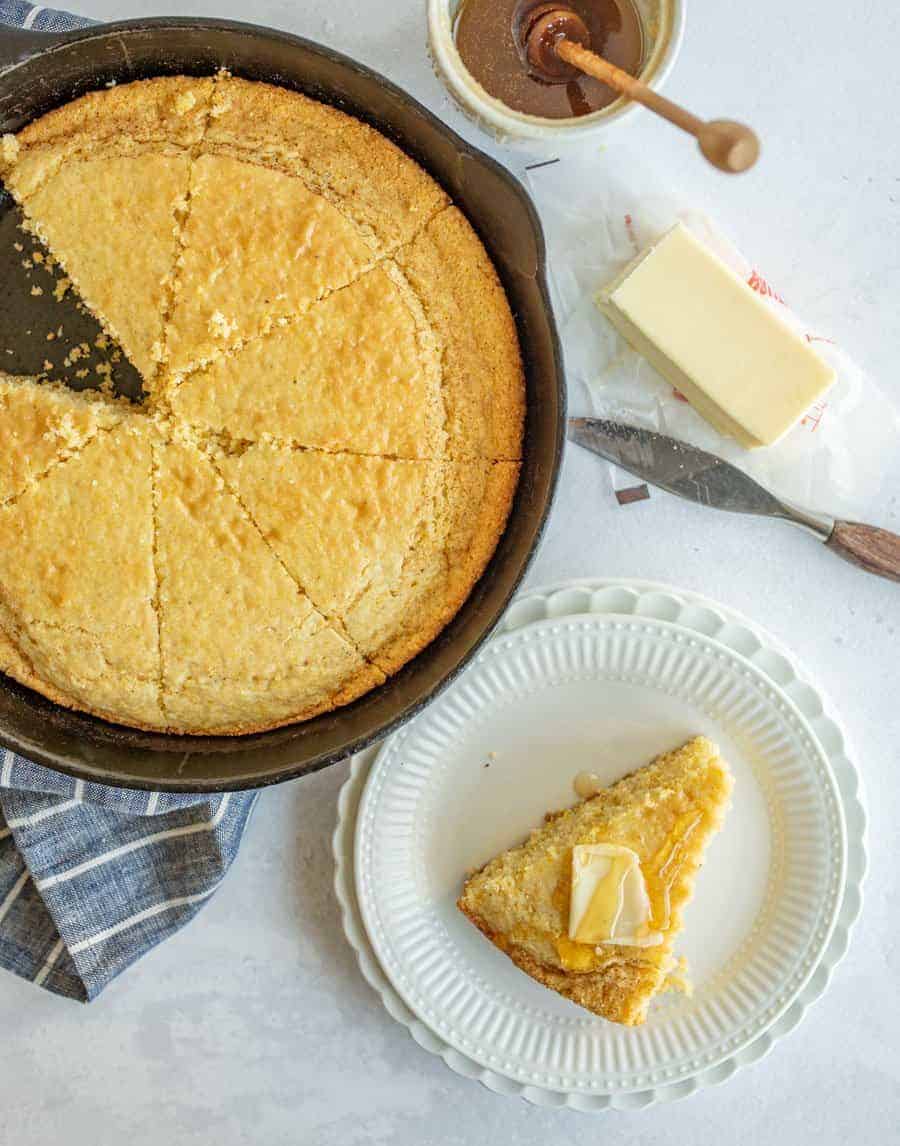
(480, 767)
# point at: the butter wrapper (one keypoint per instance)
(600, 209)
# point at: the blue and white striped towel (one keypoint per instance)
(22, 15)
(92, 877)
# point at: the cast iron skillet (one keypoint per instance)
(39, 71)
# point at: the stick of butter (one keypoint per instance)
(711, 335)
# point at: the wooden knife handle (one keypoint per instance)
(873, 549)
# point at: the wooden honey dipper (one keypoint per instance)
(556, 43)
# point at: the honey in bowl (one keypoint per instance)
(489, 35)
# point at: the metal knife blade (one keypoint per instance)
(703, 478)
(686, 471)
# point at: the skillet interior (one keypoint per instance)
(70, 64)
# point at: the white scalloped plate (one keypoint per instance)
(603, 676)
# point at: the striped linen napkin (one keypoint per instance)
(22, 15)
(92, 877)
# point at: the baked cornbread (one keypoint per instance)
(664, 814)
(258, 246)
(103, 182)
(42, 425)
(309, 383)
(390, 546)
(446, 266)
(320, 469)
(77, 579)
(257, 652)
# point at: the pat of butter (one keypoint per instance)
(712, 336)
(609, 901)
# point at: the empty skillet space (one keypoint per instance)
(36, 300)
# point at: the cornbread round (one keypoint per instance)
(331, 434)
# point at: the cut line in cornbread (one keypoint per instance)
(330, 433)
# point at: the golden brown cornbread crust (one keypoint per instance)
(519, 900)
(619, 991)
(388, 196)
(484, 389)
(167, 114)
(397, 224)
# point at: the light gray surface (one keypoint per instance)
(254, 1026)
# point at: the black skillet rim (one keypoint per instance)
(60, 41)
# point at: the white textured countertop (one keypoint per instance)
(254, 1025)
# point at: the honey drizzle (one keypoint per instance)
(664, 868)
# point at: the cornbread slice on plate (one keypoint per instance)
(368, 178)
(77, 597)
(42, 424)
(242, 645)
(112, 223)
(360, 371)
(258, 246)
(167, 114)
(664, 814)
(464, 302)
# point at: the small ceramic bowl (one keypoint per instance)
(663, 24)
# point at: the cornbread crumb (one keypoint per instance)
(9, 148)
(220, 326)
(184, 102)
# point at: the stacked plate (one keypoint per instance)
(603, 676)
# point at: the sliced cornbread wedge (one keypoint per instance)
(650, 829)
(242, 645)
(361, 371)
(258, 246)
(103, 183)
(464, 302)
(41, 424)
(122, 269)
(388, 197)
(392, 548)
(77, 597)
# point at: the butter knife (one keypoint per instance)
(707, 480)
